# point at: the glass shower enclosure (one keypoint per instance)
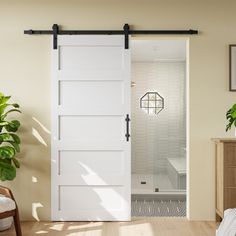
(158, 135)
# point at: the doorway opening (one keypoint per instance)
(159, 127)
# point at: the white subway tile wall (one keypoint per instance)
(158, 137)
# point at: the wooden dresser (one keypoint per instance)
(225, 150)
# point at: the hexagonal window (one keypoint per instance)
(152, 103)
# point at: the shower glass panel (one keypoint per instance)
(169, 149)
(159, 140)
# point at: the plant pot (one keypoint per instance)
(6, 223)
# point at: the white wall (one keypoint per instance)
(158, 137)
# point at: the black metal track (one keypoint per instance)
(126, 32)
(110, 32)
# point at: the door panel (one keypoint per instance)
(99, 197)
(73, 57)
(91, 162)
(90, 155)
(91, 94)
(93, 203)
(91, 127)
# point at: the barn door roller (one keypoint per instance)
(126, 32)
(55, 30)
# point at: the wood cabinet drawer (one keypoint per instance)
(230, 154)
(230, 177)
(229, 198)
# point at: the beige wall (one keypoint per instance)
(25, 73)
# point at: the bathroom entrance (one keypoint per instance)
(118, 128)
(158, 125)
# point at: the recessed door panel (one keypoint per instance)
(91, 163)
(91, 127)
(90, 57)
(92, 94)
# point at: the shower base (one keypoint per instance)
(148, 184)
(147, 201)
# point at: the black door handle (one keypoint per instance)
(127, 135)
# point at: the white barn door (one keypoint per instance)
(90, 154)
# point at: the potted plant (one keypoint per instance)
(231, 117)
(9, 146)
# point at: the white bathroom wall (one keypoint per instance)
(157, 137)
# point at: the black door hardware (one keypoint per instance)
(126, 32)
(127, 135)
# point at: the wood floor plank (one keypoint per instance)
(137, 227)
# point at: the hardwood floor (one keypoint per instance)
(137, 227)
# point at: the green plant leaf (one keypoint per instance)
(13, 126)
(231, 117)
(15, 145)
(228, 127)
(16, 138)
(4, 123)
(2, 108)
(7, 171)
(16, 123)
(1, 95)
(7, 152)
(9, 137)
(16, 162)
(233, 107)
(12, 110)
(15, 105)
(8, 162)
(233, 114)
(4, 99)
(5, 137)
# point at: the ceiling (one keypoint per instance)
(158, 50)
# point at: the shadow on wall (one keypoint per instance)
(32, 184)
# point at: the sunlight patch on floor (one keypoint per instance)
(85, 226)
(138, 229)
(57, 227)
(42, 232)
(94, 233)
